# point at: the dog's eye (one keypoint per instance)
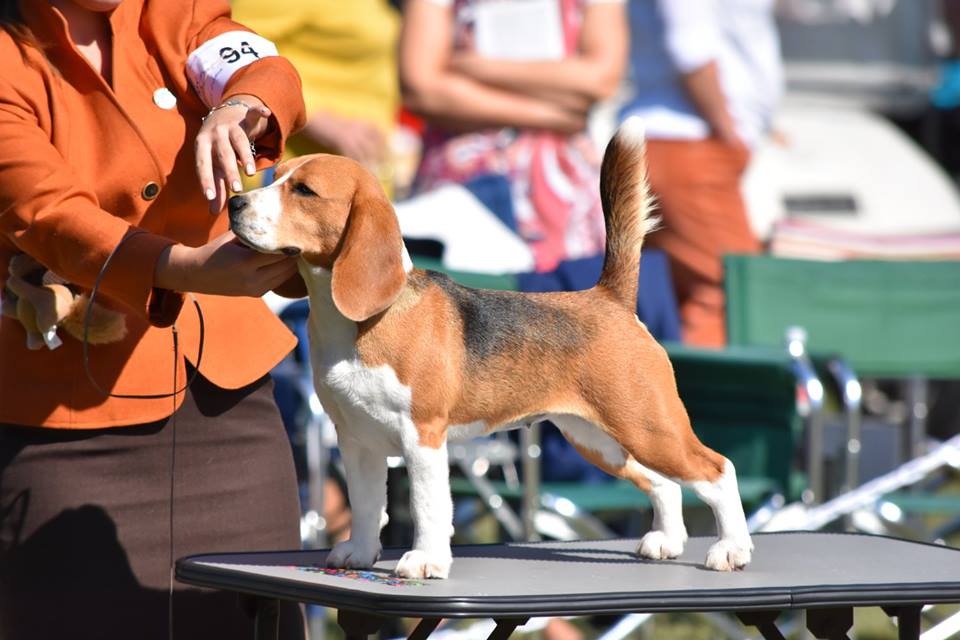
(303, 189)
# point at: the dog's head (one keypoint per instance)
(334, 214)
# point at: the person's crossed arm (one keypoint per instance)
(592, 73)
(460, 90)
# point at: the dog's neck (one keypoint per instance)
(330, 329)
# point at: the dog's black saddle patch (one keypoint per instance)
(495, 322)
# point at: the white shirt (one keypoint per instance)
(673, 37)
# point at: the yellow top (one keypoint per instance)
(344, 50)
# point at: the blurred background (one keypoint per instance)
(805, 280)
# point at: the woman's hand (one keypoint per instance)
(224, 140)
(222, 267)
(350, 137)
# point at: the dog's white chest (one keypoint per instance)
(367, 403)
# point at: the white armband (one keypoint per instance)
(212, 64)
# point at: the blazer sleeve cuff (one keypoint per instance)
(129, 278)
(163, 307)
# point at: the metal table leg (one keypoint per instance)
(266, 623)
(356, 625)
(425, 628)
(764, 621)
(908, 621)
(506, 626)
(830, 624)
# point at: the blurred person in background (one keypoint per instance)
(505, 89)
(345, 53)
(707, 78)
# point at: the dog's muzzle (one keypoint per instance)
(236, 209)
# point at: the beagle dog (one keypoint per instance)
(405, 360)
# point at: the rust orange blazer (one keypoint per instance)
(76, 159)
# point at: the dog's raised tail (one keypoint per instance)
(626, 199)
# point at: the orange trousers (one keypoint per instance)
(697, 185)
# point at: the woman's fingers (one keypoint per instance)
(259, 260)
(226, 158)
(243, 150)
(278, 271)
(223, 140)
(255, 122)
(216, 169)
(224, 238)
(273, 275)
(204, 165)
(220, 193)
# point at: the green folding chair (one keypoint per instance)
(887, 319)
(743, 402)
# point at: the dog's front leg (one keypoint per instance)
(367, 487)
(432, 511)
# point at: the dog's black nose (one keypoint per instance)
(236, 204)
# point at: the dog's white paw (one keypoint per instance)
(729, 555)
(423, 564)
(350, 555)
(657, 545)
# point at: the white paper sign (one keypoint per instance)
(519, 29)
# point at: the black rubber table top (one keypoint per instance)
(789, 570)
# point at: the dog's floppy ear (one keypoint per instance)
(368, 272)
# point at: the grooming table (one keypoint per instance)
(823, 573)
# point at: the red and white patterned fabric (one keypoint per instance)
(554, 178)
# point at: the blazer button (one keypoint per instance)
(150, 191)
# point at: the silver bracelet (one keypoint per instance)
(232, 102)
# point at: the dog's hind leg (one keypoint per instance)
(712, 477)
(432, 510)
(733, 550)
(367, 488)
(641, 410)
(668, 535)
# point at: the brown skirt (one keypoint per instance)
(85, 519)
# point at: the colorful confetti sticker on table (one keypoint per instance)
(368, 576)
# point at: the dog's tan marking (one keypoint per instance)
(419, 340)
